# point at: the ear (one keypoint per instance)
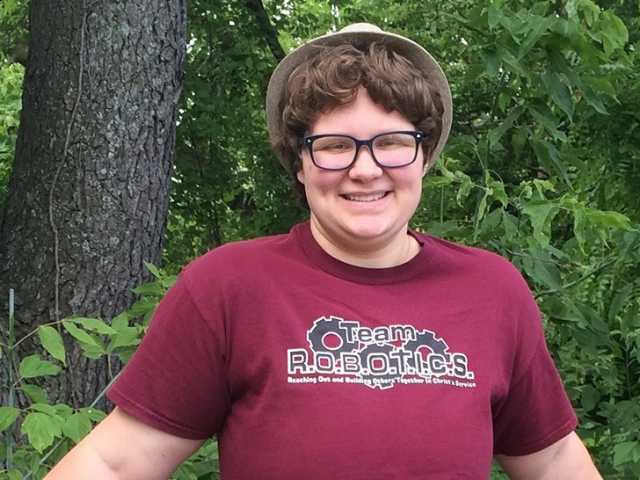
(300, 175)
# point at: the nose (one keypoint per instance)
(365, 167)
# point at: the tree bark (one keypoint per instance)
(88, 196)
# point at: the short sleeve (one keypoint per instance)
(535, 411)
(176, 380)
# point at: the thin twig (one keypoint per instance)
(33, 332)
(576, 282)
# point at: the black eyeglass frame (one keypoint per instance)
(308, 142)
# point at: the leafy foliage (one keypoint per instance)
(10, 103)
(46, 431)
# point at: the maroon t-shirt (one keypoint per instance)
(306, 367)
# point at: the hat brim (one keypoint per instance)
(422, 59)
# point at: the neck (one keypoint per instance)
(380, 253)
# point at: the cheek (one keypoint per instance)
(321, 182)
(409, 179)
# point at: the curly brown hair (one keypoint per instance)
(333, 76)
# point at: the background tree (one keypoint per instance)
(88, 196)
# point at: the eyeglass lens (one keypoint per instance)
(390, 150)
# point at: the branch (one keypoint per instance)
(591, 272)
(268, 31)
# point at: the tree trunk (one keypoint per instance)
(88, 196)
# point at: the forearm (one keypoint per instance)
(122, 448)
(83, 462)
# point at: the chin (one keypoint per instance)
(369, 232)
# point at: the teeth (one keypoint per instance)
(371, 197)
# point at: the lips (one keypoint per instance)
(364, 197)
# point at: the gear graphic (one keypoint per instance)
(425, 339)
(321, 327)
(371, 376)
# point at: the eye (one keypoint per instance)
(333, 145)
(394, 140)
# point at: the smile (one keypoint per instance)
(364, 197)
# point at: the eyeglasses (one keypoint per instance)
(339, 152)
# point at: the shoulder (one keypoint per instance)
(233, 270)
(240, 259)
(238, 254)
(480, 267)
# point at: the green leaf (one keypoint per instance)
(153, 269)
(518, 141)
(94, 414)
(52, 342)
(511, 61)
(623, 297)
(93, 351)
(594, 101)
(494, 16)
(63, 410)
(541, 215)
(120, 321)
(594, 321)
(125, 338)
(549, 122)
(608, 219)
(498, 191)
(446, 172)
(35, 393)
(631, 321)
(13, 474)
(602, 85)
(588, 340)
(33, 366)
(44, 408)
(560, 93)
(548, 274)
(543, 186)
(510, 225)
(496, 134)
(41, 430)
(93, 324)
(549, 157)
(612, 31)
(622, 453)
(590, 397)
(77, 426)
(589, 10)
(599, 222)
(465, 188)
(491, 64)
(540, 27)
(152, 289)
(142, 307)
(168, 281)
(480, 211)
(8, 415)
(77, 333)
(433, 181)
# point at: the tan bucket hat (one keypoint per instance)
(359, 34)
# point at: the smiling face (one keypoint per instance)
(363, 211)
